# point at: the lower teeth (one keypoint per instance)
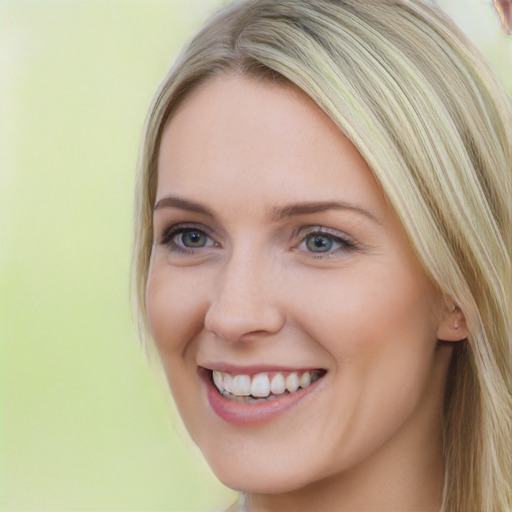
(250, 399)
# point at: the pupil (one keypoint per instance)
(319, 244)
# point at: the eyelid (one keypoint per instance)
(347, 241)
(303, 231)
(168, 233)
(299, 235)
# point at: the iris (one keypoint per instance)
(319, 243)
(193, 239)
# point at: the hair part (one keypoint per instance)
(427, 114)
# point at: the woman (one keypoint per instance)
(322, 256)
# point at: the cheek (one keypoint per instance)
(368, 307)
(176, 308)
(176, 313)
(377, 326)
(380, 333)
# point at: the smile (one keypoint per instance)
(263, 386)
(251, 398)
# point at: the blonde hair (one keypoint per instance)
(425, 111)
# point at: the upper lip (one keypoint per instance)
(256, 368)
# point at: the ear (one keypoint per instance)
(453, 327)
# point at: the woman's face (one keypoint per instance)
(278, 261)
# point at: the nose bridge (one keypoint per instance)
(244, 300)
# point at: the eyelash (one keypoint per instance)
(172, 232)
(302, 233)
(346, 243)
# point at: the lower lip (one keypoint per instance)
(251, 413)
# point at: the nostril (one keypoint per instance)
(234, 321)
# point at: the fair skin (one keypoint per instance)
(276, 252)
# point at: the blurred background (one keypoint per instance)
(86, 422)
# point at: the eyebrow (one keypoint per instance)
(278, 213)
(182, 204)
(307, 208)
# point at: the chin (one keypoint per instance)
(263, 473)
(262, 482)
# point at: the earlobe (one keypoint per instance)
(453, 327)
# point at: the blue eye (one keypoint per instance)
(186, 240)
(191, 238)
(319, 243)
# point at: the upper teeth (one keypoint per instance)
(262, 384)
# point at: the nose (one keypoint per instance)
(244, 302)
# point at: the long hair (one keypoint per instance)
(425, 111)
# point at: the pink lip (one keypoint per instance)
(249, 414)
(253, 370)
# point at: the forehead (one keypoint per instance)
(247, 137)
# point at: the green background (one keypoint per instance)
(86, 422)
